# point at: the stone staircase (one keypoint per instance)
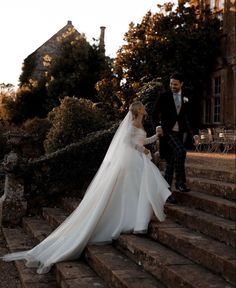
(194, 247)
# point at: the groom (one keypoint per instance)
(170, 117)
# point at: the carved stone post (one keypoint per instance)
(13, 205)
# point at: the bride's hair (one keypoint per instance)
(133, 108)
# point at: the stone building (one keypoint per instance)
(219, 106)
(43, 56)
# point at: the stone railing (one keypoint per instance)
(33, 183)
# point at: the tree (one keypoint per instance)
(76, 70)
(184, 39)
(7, 95)
(30, 101)
(27, 69)
(109, 95)
(7, 90)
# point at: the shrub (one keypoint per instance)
(3, 141)
(37, 129)
(71, 121)
(50, 179)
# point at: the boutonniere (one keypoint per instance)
(185, 99)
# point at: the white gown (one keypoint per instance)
(122, 196)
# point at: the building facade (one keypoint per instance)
(43, 56)
(219, 105)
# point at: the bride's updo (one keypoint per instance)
(133, 108)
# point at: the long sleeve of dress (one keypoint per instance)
(150, 140)
(140, 146)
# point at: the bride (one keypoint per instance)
(122, 196)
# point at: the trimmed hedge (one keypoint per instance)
(66, 171)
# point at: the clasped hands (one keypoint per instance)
(159, 131)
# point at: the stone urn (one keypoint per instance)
(13, 205)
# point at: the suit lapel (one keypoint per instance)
(172, 102)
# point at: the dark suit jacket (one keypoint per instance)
(164, 114)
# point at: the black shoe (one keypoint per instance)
(171, 199)
(182, 188)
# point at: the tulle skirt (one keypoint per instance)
(121, 198)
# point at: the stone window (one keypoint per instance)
(217, 99)
(207, 111)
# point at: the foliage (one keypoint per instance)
(37, 129)
(184, 39)
(7, 90)
(3, 141)
(9, 110)
(50, 179)
(7, 94)
(71, 121)
(148, 93)
(36, 126)
(108, 93)
(27, 69)
(76, 69)
(30, 101)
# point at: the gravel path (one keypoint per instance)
(8, 274)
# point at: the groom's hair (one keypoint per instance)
(177, 76)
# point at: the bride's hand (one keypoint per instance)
(146, 151)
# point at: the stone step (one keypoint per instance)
(216, 227)
(111, 274)
(211, 224)
(36, 227)
(117, 269)
(213, 173)
(174, 270)
(220, 161)
(76, 274)
(69, 273)
(18, 240)
(211, 204)
(213, 255)
(213, 187)
(69, 203)
(54, 216)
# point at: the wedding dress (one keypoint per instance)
(122, 196)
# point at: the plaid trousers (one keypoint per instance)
(175, 160)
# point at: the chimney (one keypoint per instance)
(69, 22)
(102, 39)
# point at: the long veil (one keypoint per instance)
(120, 138)
(70, 238)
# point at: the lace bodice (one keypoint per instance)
(139, 138)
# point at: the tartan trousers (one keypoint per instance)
(175, 160)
